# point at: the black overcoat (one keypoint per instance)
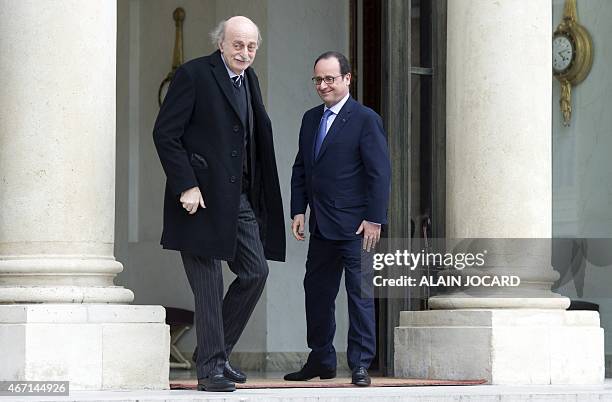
(199, 138)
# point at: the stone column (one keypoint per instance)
(499, 157)
(57, 205)
(57, 153)
(499, 78)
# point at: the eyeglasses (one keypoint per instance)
(327, 79)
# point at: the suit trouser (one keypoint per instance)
(324, 265)
(220, 320)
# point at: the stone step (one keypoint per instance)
(480, 393)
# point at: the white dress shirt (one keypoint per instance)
(229, 71)
(335, 110)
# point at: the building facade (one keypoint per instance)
(465, 88)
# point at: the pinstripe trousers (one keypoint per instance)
(220, 320)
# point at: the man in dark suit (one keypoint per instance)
(222, 198)
(342, 171)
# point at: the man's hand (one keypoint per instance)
(191, 199)
(371, 234)
(297, 227)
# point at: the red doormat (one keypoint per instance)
(335, 383)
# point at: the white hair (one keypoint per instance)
(218, 34)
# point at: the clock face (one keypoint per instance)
(562, 53)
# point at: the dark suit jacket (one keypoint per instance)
(199, 138)
(350, 179)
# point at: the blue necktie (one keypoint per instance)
(322, 132)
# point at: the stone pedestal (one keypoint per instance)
(93, 346)
(501, 346)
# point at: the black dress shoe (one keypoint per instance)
(361, 377)
(307, 373)
(216, 383)
(233, 374)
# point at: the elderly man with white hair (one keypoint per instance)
(222, 199)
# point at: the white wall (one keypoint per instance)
(298, 32)
(294, 34)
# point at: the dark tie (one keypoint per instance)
(237, 80)
(322, 131)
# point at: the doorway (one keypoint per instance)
(399, 48)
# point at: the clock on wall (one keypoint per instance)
(572, 56)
